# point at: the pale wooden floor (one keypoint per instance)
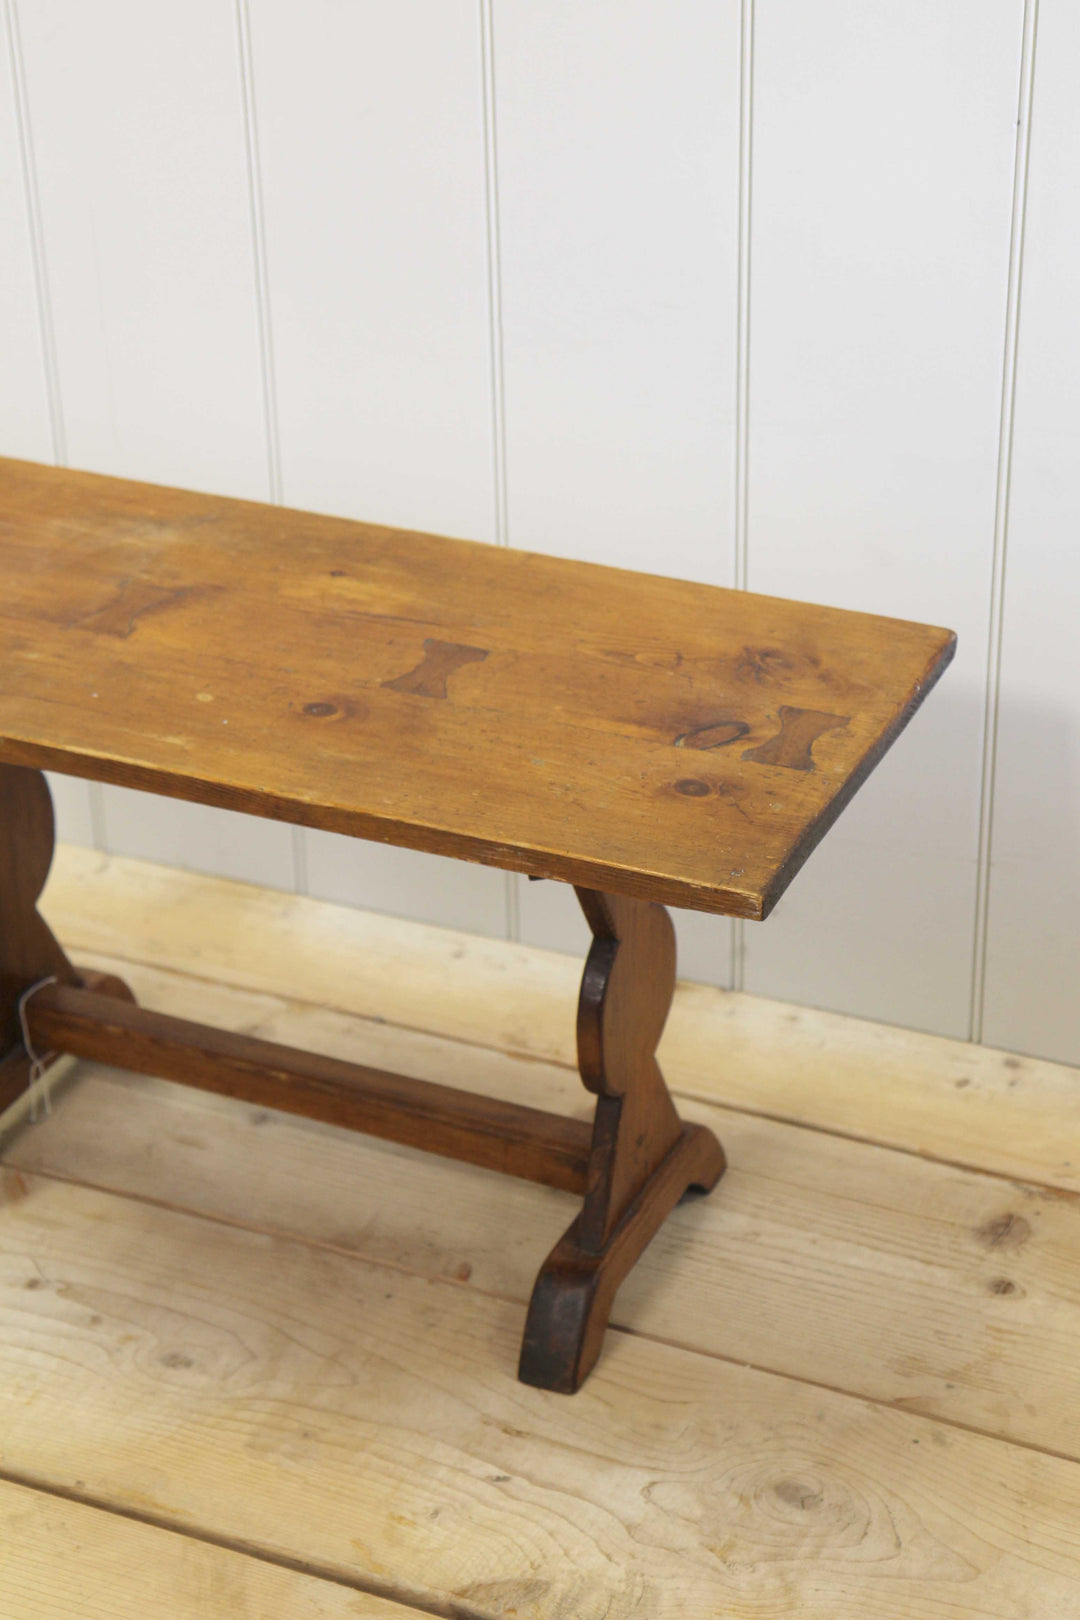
(251, 1366)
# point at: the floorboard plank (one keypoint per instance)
(924, 1094)
(65, 1560)
(317, 1406)
(950, 1293)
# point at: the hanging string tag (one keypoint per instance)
(39, 1061)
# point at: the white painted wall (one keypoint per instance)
(1032, 941)
(768, 293)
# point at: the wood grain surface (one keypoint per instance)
(845, 1383)
(501, 1136)
(674, 741)
(64, 1560)
(644, 1158)
(290, 1398)
(633, 1166)
(939, 1275)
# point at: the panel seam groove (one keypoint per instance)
(1001, 521)
(47, 329)
(494, 277)
(741, 557)
(98, 823)
(297, 839)
(50, 363)
(511, 881)
(258, 245)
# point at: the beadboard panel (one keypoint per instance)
(370, 122)
(1033, 955)
(473, 266)
(883, 155)
(552, 919)
(406, 883)
(26, 427)
(72, 808)
(24, 407)
(371, 138)
(141, 169)
(139, 144)
(617, 130)
(197, 837)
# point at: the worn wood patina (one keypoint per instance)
(649, 740)
(674, 741)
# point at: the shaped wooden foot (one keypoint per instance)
(643, 1158)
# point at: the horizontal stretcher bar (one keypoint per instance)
(520, 1141)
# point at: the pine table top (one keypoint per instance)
(675, 741)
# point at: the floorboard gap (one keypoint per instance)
(450, 1610)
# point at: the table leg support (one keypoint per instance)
(28, 950)
(643, 1158)
(633, 1167)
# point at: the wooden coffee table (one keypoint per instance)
(650, 741)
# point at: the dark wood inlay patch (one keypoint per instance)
(135, 598)
(799, 730)
(440, 660)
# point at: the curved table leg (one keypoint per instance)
(643, 1158)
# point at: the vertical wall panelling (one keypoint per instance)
(552, 919)
(372, 146)
(73, 808)
(1001, 520)
(31, 420)
(618, 179)
(371, 137)
(258, 249)
(1033, 946)
(501, 532)
(740, 560)
(488, 267)
(137, 116)
(30, 423)
(498, 397)
(198, 837)
(884, 142)
(139, 143)
(407, 883)
(618, 144)
(297, 835)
